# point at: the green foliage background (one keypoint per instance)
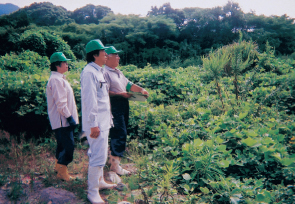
(165, 36)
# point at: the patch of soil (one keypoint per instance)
(35, 192)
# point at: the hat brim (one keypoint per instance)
(118, 51)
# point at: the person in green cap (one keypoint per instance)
(119, 86)
(62, 112)
(96, 117)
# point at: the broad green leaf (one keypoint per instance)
(288, 161)
(186, 176)
(185, 147)
(224, 163)
(260, 198)
(222, 148)
(252, 133)
(272, 120)
(209, 143)
(249, 142)
(204, 190)
(277, 155)
(219, 140)
(174, 153)
(243, 115)
(281, 137)
(198, 142)
(233, 130)
(239, 135)
(267, 140)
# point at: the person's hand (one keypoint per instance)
(144, 92)
(125, 94)
(72, 122)
(95, 131)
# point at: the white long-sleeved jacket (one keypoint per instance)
(96, 110)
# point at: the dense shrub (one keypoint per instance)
(169, 85)
(45, 43)
(27, 62)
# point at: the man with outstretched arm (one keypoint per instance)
(96, 117)
(119, 86)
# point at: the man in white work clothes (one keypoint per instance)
(96, 117)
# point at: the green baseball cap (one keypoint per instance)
(94, 45)
(112, 50)
(58, 57)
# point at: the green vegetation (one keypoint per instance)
(166, 36)
(191, 143)
(219, 131)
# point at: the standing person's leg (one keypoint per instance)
(97, 154)
(118, 135)
(98, 147)
(126, 119)
(66, 151)
(69, 146)
(59, 147)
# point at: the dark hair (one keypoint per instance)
(89, 55)
(53, 66)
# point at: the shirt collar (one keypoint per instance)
(96, 66)
(111, 69)
(58, 74)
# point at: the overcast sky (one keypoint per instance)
(141, 7)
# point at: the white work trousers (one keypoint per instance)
(98, 149)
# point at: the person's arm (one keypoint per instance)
(89, 99)
(112, 93)
(136, 88)
(120, 94)
(59, 93)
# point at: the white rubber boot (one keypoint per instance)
(93, 186)
(115, 166)
(102, 183)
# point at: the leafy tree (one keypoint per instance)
(45, 43)
(33, 41)
(165, 36)
(142, 39)
(45, 14)
(207, 28)
(238, 63)
(90, 14)
(278, 31)
(214, 65)
(234, 16)
(166, 10)
(15, 20)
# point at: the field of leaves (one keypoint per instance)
(219, 133)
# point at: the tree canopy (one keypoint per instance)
(164, 36)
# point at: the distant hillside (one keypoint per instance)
(7, 8)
